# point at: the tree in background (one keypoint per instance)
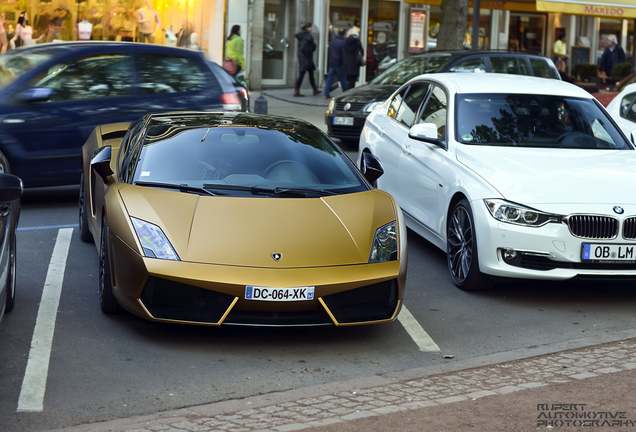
(452, 26)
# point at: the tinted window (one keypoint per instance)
(535, 121)
(471, 65)
(406, 69)
(542, 69)
(412, 101)
(15, 64)
(508, 65)
(226, 157)
(434, 111)
(89, 78)
(169, 74)
(625, 103)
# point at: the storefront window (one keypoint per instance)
(169, 22)
(630, 40)
(382, 37)
(435, 17)
(343, 14)
(484, 29)
(526, 32)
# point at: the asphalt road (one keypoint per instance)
(104, 367)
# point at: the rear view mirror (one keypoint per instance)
(37, 94)
(101, 162)
(371, 167)
(10, 188)
(426, 132)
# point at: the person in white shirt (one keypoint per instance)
(84, 30)
(23, 35)
(147, 18)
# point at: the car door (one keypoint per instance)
(85, 91)
(393, 131)
(421, 185)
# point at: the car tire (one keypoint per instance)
(107, 299)
(11, 278)
(461, 246)
(85, 233)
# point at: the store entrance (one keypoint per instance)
(275, 42)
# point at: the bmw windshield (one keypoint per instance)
(245, 161)
(526, 120)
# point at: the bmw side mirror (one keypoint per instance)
(36, 94)
(10, 188)
(371, 167)
(426, 132)
(101, 162)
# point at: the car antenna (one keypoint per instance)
(206, 134)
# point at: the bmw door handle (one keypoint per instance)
(406, 148)
(381, 131)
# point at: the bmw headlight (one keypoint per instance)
(153, 241)
(385, 244)
(517, 214)
(372, 106)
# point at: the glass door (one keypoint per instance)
(275, 43)
(382, 37)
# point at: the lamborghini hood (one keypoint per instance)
(307, 232)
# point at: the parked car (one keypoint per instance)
(623, 110)
(53, 95)
(347, 113)
(225, 218)
(606, 96)
(10, 193)
(510, 176)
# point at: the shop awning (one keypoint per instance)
(619, 9)
(520, 6)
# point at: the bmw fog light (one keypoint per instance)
(385, 244)
(154, 242)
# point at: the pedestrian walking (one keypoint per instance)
(612, 55)
(23, 35)
(306, 48)
(234, 49)
(353, 57)
(559, 49)
(336, 63)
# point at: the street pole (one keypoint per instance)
(476, 7)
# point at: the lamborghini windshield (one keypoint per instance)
(245, 161)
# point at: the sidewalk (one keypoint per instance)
(585, 388)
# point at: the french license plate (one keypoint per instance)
(608, 252)
(279, 294)
(343, 121)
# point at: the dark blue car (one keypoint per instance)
(53, 95)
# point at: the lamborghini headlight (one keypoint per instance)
(372, 106)
(153, 241)
(385, 244)
(517, 214)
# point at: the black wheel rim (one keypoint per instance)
(460, 244)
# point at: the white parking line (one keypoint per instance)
(37, 370)
(417, 333)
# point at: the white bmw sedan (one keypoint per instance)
(512, 176)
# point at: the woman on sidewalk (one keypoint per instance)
(306, 48)
(353, 55)
(234, 48)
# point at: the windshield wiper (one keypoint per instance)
(180, 187)
(303, 192)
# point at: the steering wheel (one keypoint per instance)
(270, 168)
(209, 172)
(570, 137)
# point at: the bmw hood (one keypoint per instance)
(306, 232)
(534, 176)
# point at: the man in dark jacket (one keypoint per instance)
(306, 48)
(336, 64)
(612, 55)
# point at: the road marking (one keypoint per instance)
(47, 227)
(34, 383)
(417, 333)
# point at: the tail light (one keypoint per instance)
(245, 93)
(231, 102)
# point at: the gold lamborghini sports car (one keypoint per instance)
(236, 218)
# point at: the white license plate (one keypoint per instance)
(279, 294)
(608, 252)
(343, 121)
